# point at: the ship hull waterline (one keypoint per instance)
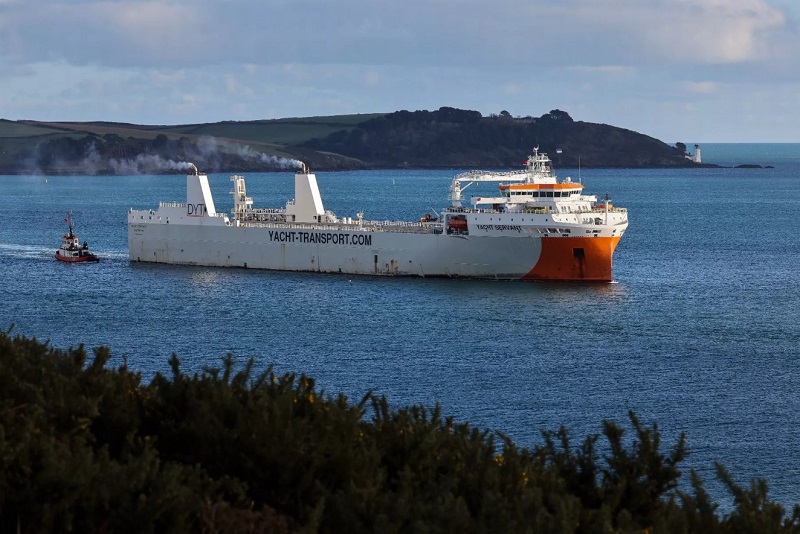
(87, 258)
(375, 253)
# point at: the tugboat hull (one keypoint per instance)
(87, 258)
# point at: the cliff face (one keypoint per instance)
(446, 138)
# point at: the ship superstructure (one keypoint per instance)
(536, 228)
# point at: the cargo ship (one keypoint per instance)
(535, 228)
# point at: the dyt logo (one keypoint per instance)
(195, 210)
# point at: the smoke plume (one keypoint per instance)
(146, 164)
(209, 153)
(211, 147)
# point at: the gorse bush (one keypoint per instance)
(85, 448)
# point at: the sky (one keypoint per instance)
(677, 70)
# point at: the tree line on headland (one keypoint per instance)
(86, 448)
(445, 138)
(458, 138)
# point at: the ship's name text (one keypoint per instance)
(196, 210)
(501, 227)
(322, 238)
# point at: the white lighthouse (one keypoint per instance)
(697, 158)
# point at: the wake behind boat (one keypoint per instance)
(71, 251)
(537, 228)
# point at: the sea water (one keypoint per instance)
(699, 332)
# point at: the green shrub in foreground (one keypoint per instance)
(85, 448)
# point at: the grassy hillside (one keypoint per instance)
(12, 129)
(107, 147)
(447, 137)
(280, 132)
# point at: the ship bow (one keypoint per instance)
(575, 258)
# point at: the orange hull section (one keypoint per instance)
(575, 258)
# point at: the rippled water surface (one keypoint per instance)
(699, 332)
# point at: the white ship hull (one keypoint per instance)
(360, 252)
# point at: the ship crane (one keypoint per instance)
(457, 188)
(537, 170)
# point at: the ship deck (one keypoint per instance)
(363, 226)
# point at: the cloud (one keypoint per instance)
(701, 87)
(599, 69)
(179, 61)
(715, 31)
(189, 33)
(166, 77)
(235, 87)
(372, 79)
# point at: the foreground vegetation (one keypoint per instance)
(89, 449)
